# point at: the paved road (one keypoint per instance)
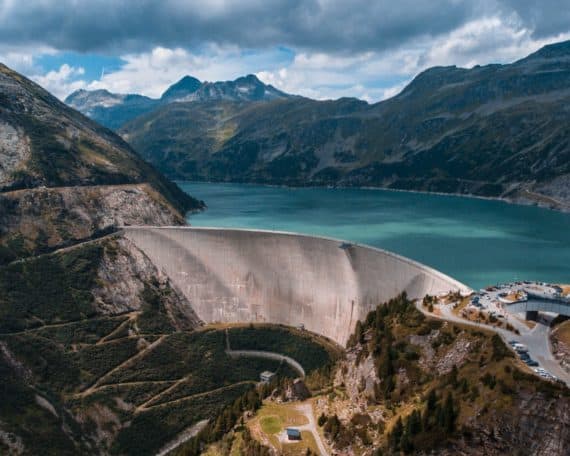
(538, 342)
(537, 339)
(307, 410)
(264, 354)
(268, 355)
(184, 436)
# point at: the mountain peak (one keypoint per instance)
(251, 78)
(114, 110)
(551, 51)
(184, 87)
(86, 100)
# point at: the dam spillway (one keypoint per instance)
(234, 275)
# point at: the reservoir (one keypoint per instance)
(478, 242)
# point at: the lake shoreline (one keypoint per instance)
(517, 202)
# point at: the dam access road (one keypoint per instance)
(326, 285)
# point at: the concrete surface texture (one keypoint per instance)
(232, 275)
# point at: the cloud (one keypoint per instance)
(63, 81)
(141, 25)
(374, 76)
(133, 26)
(544, 17)
(151, 73)
(316, 48)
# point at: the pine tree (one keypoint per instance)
(406, 443)
(358, 333)
(453, 377)
(431, 401)
(396, 434)
(414, 424)
(449, 415)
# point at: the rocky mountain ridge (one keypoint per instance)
(114, 110)
(64, 178)
(76, 299)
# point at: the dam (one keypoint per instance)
(326, 285)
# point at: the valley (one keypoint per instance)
(310, 298)
(491, 131)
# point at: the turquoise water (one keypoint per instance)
(478, 242)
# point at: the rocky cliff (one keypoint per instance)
(40, 220)
(45, 143)
(452, 390)
(64, 179)
(76, 299)
(66, 320)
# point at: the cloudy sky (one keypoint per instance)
(318, 48)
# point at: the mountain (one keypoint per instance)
(101, 354)
(247, 88)
(114, 110)
(110, 109)
(64, 178)
(181, 89)
(68, 278)
(493, 130)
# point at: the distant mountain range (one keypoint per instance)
(113, 110)
(493, 130)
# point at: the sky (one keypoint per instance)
(323, 49)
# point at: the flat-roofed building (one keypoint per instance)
(266, 376)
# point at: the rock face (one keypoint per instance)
(518, 420)
(115, 110)
(14, 152)
(494, 130)
(560, 341)
(121, 277)
(64, 178)
(39, 220)
(247, 88)
(45, 143)
(182, 89)
(117, 302)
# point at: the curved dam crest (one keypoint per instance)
(233, 275)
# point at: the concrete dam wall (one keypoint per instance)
(232, 275)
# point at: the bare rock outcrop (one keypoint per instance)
(14, 151)
(122, 275)
(37, 220)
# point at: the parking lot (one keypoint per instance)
(529, 340)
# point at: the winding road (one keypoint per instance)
(184, 436)
(263, 354)
(536, 339)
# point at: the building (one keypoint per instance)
(266, 376)
(293, 434)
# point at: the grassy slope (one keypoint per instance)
(98, 371)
